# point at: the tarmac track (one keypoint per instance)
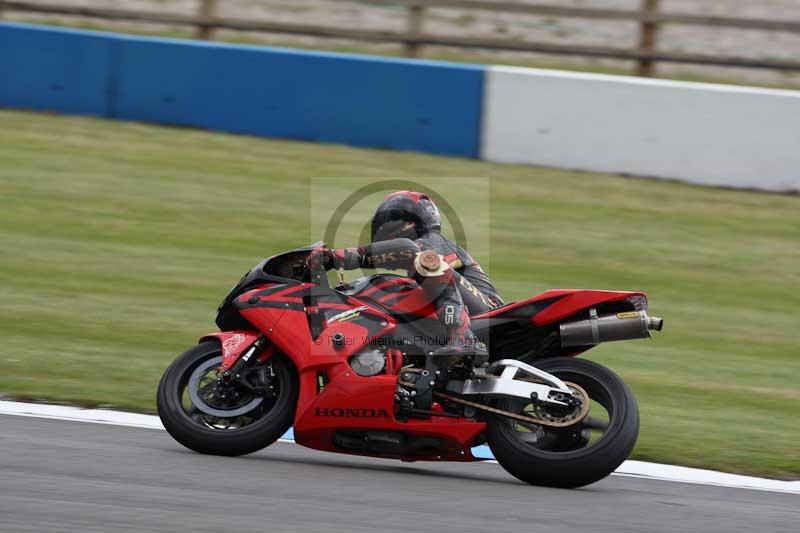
(70, 476)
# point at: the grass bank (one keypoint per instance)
(118, 239)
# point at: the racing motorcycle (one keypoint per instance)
(350, 369)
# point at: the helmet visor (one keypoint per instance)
(394, 229)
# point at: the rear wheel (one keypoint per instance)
(575, 455)
(226, 417)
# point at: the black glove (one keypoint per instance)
(346, 258)
(320, 258)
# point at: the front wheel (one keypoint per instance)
(210, 415)
(576, 455)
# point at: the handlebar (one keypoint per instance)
(318, 276)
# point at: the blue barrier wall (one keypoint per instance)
(54, 70)
(358, 100)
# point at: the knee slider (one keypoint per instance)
(430, 264)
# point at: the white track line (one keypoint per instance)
(638, 469)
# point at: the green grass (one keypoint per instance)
(440, 53)
(118, 240)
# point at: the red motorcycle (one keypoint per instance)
(350, 368)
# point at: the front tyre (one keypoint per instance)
(229, 419)
(573, 456)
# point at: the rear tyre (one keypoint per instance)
(247, 424)
(575, 456)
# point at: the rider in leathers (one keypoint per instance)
(406, 235)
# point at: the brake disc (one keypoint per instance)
(203, 406)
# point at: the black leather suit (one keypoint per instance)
(462, 290)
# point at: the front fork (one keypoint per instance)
(242, 351)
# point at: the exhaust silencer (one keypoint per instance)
(619, 327)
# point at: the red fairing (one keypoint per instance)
(347, 400)
(233, 343)
(575, 301)
(351, 401)
(292, 337)
(565, 303)
(320, 331)
(326, 357)
(411, 303)
(402, 295)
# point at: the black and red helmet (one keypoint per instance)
(406, 214)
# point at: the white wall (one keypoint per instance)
(703, 133)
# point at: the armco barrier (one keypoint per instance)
(702, 133)
(359, 100)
